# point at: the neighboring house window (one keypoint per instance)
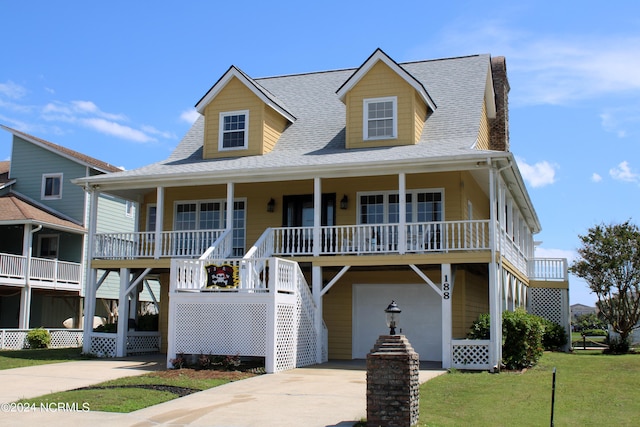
(211, 215)
(129, 208)
(234, 131)
(52, 186)
(380, 118)
(48, 246)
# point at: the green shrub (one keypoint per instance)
(554, 336)
(38, 338)
(480, 328)
(618, 346)
(522, 339)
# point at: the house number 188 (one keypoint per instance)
(446, 291)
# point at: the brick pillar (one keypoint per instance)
(393, 383)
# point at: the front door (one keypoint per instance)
(298, 210)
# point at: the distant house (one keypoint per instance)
(581, 309)
(297, 207)
(43, 234)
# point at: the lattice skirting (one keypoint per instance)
(103, 345)
(16, 339)
(221, 328)
(470, 354)
(547, 303)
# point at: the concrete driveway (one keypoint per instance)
(331, 394)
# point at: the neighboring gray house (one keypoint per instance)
(43, 234)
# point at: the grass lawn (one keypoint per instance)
(592, 389)
(10, 359)
(133, 393)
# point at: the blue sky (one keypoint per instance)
(118, 80)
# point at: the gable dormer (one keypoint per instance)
(241, 117)
(386, 105)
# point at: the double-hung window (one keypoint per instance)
(234, 130)
(51, 186)
(210, 215)
(380, 118)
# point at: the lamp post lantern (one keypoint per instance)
(393, 315)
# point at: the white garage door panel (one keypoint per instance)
(420, 319)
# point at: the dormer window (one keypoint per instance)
(380, 118)
(234, 132)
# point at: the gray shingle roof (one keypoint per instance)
(317, 138)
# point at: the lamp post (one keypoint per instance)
(393, 315)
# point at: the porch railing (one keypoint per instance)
(548, 269)
(254, 275)
(437, 236)
(173, 244)
(14, 267)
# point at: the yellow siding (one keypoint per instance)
(477, 197)
(235, 96)
(470, 300)
(483, 134)
(163, 314)
(274, 125)
(380, 81)
(420, 116)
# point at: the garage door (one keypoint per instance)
(420, 318)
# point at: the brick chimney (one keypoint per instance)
(499, 127)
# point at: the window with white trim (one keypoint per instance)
(48, 246)
(151, 217)
(212, 215)
(380, 118)
(51, 186)
(234, 130)
(384, 207)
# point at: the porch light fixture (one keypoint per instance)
(393, 314)
(344, 202)
(271, 206)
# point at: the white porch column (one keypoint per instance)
(495, 312)
(317, 215)
(25, 292)
(230, 198)
(402, 211)
(447, 330)
(91, 277)
(316, 284)
(159, 221)
(123, 314)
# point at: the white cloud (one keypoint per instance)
(551, 68)
(555, 253)
(623, 172)
(596, 178)
(116, 129)
(189, 116)
(12, 90)
(539, 174)
(153, 131)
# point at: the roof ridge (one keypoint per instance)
(98, 164)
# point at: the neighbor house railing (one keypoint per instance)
(48, 272)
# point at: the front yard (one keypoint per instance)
(592, 389)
